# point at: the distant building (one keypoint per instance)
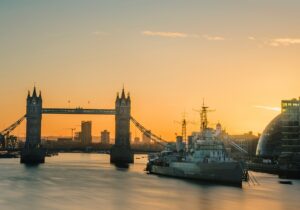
(136, 140)
(290, 126)
(86, 132)
(282, 134)
(104, 137)
(77, 136)
(179, 143)
(64, 140)
(9, 142)
(147, 137)
(247, 141)
(218, 131)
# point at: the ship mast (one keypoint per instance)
(203, 116)
(183, 124)
(184, 130)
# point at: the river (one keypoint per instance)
(88, 181)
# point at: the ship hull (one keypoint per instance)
(226, 173)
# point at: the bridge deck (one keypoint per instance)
(78, 111)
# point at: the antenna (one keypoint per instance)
(183, 123)
(203, 116)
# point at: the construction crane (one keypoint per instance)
(72, 132)
(203, 116)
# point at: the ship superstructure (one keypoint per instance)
(204, 158)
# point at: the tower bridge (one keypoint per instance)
(121, 151)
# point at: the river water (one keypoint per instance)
(88, 181)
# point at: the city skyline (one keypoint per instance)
(242, 58)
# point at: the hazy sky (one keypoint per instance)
(240, 55)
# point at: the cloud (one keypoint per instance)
(276, 42)
(277, 109)
(283, 42)
(165, 34)
(100, 33)
(168, 34)
(214, 38)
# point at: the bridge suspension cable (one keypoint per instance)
(152, 136)
(9, 129)
(239, 148)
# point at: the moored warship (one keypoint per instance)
(203, 158)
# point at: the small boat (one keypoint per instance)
(285, 182)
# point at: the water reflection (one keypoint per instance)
(31, 165)
(121, 166)
(89, 181)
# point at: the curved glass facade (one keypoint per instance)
(282, 135)
(269, 144)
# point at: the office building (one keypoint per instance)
(104, 137)
(282, 133)
(86, 132)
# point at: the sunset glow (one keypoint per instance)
(168, 54)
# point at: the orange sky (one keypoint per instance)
(169, 55)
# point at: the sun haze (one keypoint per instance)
(242, 57)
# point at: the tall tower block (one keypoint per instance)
(121, 151)
(32, 152)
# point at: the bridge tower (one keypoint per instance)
(121, 151)
(32, 152)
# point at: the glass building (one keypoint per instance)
(282, 134)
